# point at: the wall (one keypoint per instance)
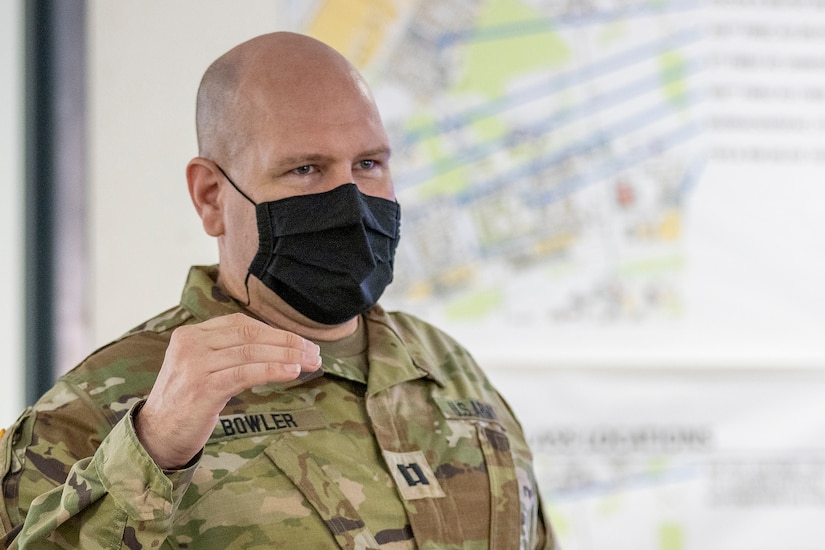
(146, 62)
(11, 208)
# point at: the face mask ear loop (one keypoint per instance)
(244, 195)
(246, 286)
(232, 183)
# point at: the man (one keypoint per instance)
(213, 425)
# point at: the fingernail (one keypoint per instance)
(292, 368)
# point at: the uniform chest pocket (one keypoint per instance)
(265, 491)
(256, 488)
(336, 511)
(471, 420)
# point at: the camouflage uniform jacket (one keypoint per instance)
(422, 454)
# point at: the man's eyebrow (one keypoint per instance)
(379, 152)
(310, 158)
(301, 160)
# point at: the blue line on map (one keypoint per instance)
(641, 480)
(554, 84)
(693, 174)
(544, 126)
(566, 187)
(547, 24)
(597, 139)
(616, 164)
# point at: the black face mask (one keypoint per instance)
(328, 255)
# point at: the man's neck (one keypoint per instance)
(270, 308)
(307, 329)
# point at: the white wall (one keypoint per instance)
(11, 208)
(146, 60)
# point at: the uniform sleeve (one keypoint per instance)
(115, 498)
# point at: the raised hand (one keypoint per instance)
(205, 366)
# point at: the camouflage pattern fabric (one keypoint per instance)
(422, 453)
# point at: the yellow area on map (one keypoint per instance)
(356, 28)
(494, 61)
(671, 536)
(673, 67)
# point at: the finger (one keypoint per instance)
(239, 333)
(235, 380)
(240, 329)
(247, 354)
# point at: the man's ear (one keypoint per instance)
(204, 181)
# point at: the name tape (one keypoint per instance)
(247, 425)
(467, 409)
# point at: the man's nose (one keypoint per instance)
(339, 175)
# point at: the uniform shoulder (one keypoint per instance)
(431, 346)
(413, 328)
(123, 371)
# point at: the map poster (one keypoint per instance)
(600, 180)
(617, 207)
(676, 460)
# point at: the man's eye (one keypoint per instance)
(303, 170)
(367, 164)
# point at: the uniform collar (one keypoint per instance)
(203, 298)
(395, 356)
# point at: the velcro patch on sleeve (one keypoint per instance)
(413, 475)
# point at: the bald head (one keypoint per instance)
(240, 89)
